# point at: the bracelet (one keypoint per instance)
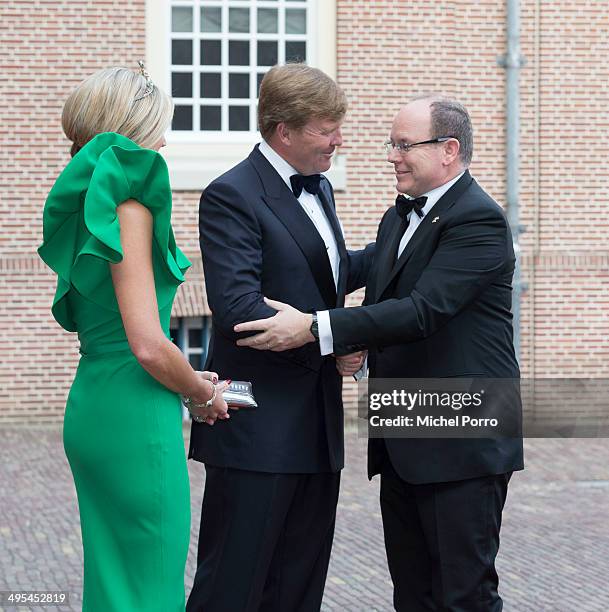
(189, 403)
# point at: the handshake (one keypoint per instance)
(348, 365)
(289, 328)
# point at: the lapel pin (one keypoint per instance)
(435, 219)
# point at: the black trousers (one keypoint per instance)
(264, 542)
(442, 540)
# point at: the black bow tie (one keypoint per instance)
(404, 205)
(310, 183)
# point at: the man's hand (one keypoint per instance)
(288, 329)
(348, 365)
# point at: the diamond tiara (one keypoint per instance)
(149, 84)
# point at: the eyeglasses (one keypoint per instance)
(404, 147)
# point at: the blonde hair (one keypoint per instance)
(295, 93)
(106, 102)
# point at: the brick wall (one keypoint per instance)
(46, 48)
(387, 50)
(565, 188)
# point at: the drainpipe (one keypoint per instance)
(512, 61)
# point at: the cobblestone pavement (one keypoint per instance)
(555, 539)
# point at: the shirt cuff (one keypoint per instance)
(326, 342)
(363, 371)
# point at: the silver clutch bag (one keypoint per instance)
(240, 395)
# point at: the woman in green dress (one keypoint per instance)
(108, 237)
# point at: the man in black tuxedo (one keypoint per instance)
(268, 227)
(437, 305)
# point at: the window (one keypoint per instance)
(191, 336)
(197, 151)
(219, 52)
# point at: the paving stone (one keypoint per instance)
(555, 538)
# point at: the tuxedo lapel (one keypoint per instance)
(280, 199)
(388, 254)
(329, 206)
(422, 231)
(330, 211)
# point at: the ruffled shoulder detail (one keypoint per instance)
(81, 230)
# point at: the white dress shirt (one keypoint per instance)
(323, 317)
(314, 210)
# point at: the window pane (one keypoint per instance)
(267, 21)
(181, 52)
(239, 20)
(267, 53)
(295, 51)
(181, 19)
(211, 52)
(239, 53)
(295, 21)
(182, 118)
(211, 118)
(238, 85)
(181, 85)
(195, 337)
(195, 360)
(260, 76)
(239, 118)
(211, 86)
(211, 19)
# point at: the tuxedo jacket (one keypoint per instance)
(257, 241)
(442, 310)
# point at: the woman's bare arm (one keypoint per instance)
(133, 280)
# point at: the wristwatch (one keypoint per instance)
(314, 328)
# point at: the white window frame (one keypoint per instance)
(189, 323)
(195, 159)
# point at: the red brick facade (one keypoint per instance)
(386, 50)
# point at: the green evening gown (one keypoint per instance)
(122, 428)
